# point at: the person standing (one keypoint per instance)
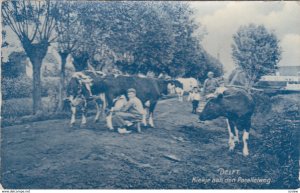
(195, 97)
(210, 84)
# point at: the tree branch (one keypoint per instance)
(11, 21)
(36, 22)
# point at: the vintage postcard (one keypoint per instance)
(150, 94)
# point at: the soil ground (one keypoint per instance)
(177, 153)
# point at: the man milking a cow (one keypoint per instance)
(132, 112)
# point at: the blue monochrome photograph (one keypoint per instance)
(150, 94)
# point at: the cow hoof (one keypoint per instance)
(96, 120)
(144, 123)
(236, 139)
(245, 153)
(123, 131)
(231, 147)
(72, 125)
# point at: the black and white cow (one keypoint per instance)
(109, 88)
(175, 87)
(78, 95)
(188, 83)
(237, 106)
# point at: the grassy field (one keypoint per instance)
(23, 106)
(178, 153)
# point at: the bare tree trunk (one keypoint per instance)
(37, 86)
(62, 88)
(36, 53)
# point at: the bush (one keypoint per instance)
(277, 151)
(16, 107)
(23, 106)
(15, 66)
(19, 111)
(20, 87)
(50, 86)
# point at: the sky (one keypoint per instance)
(222, 20)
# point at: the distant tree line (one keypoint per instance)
(138, 37)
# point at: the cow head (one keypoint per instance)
(213, 108)
(171, 88)
(76, 88)
(163, 86)
(172, 85)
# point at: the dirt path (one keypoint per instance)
(49, 154)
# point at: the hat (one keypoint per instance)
(210, 73)
(131, 90)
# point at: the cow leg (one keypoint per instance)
(245, 139)
(180, 97)
(73, 117)
(99, 110)
(151, 110)
(144, 120)
(236, 137)
(231, 136)
(179, 92)
(84, 109)
(109, 122)
(151, 123)
(147, 106)
(83, 120)
(104, 103)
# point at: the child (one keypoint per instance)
(195, 97)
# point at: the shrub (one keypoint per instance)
(23, 106)
(50, 86)
(20, 87)
(16, 107)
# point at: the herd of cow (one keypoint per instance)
(234, 103)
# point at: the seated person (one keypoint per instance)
(132, 111)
